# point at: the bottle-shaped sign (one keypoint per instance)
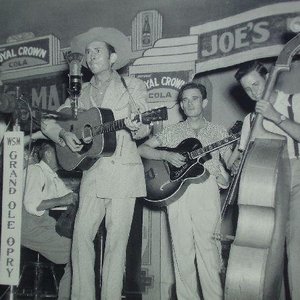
(146, 33)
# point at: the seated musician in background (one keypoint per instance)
(109, 188)
(194, 215)
(44, 190)
(282, 116)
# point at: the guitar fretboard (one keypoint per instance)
(215, 146)
(147, 117)
(109, 127)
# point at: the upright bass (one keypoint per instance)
(255, 264)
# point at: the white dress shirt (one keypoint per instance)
(281, 105)
(42, 183)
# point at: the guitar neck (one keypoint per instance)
(110, 127)
(146, 117)
(215, 146)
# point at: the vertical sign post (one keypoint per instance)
(11, 207)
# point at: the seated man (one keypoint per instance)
(44, 190)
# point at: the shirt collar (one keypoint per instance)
(47, 169)
(190, 127)
(104, 83)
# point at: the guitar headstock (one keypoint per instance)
(157, 114)
(236, 128)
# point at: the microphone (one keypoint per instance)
(75, 77)
(8, 103)
(74, 60)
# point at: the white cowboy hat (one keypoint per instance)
(111, 36)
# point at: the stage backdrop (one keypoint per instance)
(172, 43)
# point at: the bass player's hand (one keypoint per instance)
(267, 110)
(174, 158)
(235, 166)
(71, 140)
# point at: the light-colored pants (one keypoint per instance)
(118, 217)
(193, 220)
(38, 234)
(293, 231)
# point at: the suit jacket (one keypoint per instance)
(122, 174)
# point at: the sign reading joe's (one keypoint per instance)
(36, 52)
(253, 34)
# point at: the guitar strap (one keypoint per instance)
(133, 105)
(124, 83)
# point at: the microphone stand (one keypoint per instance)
(74, 92)
(74, 106)
(16, 126)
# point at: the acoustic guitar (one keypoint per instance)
(96, 129)
(165, 182)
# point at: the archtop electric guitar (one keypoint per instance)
(164, 182)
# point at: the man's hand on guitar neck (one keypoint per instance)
(132, 124)
(138, 129)
(71, 140)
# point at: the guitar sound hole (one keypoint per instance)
(87, 134)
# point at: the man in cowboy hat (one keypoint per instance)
(111, 186)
